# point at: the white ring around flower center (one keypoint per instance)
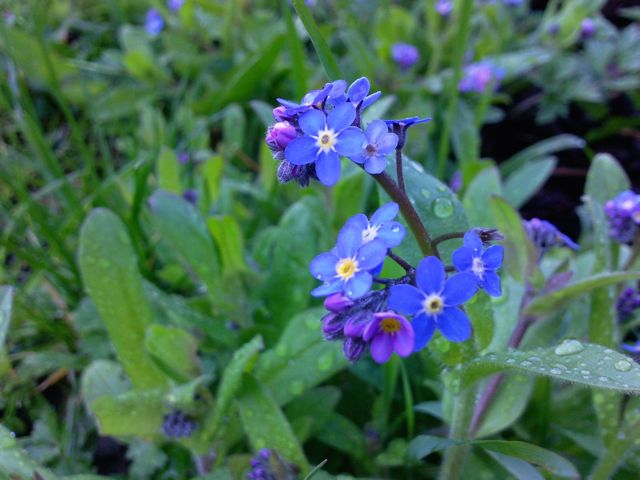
(433, 304)
(326, 140)
(346, 268)
(370, 233)
(477, 267)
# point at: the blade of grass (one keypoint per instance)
(296, 49)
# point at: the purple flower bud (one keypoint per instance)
(456, 182)
(588, 28)
(627, 303)
(488, 235)
(153, 22)
(281, 114)
(444, 7)
(175, 5)
(354, 348)
(544, 235)
(279, 136)
(623, 213)
(333, 326)
(191, 196)
(554, 29)
(183, 158)
(337, 302)
(405, 55)
(478, 76)
(264, 453)
(300, 173)
(356, 324)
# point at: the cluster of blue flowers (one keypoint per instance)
(366, 318)
(154, 22)
(311, 136)
(623, 213)
(178, 424)
(267, 464)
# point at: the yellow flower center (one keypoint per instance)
(390, 325)
(326, 140)
(346, 268)
(433, 304)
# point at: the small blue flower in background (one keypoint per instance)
(379, 143)
(326, 138)
(434, 303)
(405, 55)
(175, 5)
(347, 268)
(587, 28)
(478, 76)
(544, 235)
(444, 7)
(483, 265)
(153, 22)
(388, 333)
(628, 302)
(177, 424)
(623, 213)
(380, 227)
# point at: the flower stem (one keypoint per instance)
(399, 172)
(400, 261)
(447, 236)
(409, 213)
(455, 457)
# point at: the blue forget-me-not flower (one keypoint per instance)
(379, 143)
(153, 22)
(482, 264)
(381, 226)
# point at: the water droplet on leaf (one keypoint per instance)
(569, 347)
(442, 207)
(623, 365)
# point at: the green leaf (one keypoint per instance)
(212, 173)
(322, 49)
(301, 359)
(6, 304)
(265, 424)
(109, 270)
(465, 137)
(169, 171)
(100, 378)
(242, 361)
(478, 195)
(520, 254)
(546, 459)
(349, 194)
(15, 462)
(234, 126)
(297, 53)
(516, 467)
(570, 361)
(174, 351)
(606, 178)
(552, 301)
(539, 150)
(226, 232)
(300, 237)
(424, 445)
(523, 184)
(182, 226)
(480, 311)
(135, 413)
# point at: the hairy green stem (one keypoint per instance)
(409, 213)
(461, 43)
(455, 457)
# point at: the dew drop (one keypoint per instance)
(425, 193)
(417, 166)
(569, 347)
(395, 229)
(603, 379)
(555, 371)
(442, 207)
(585, 372)
(511, 360)
(325, 361)
(441, 188)
(535, 359)
(526, 364)
(622, 365)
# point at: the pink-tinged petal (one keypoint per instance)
(492, 257)
(375, 165)
(358, 285)
(328, 168)
(405, 338)
(327, 289)
(405, 299)
(454, 325)
(301, 151)
(385, 213)
(375, 130)
(462, 259)
(491, 284)
(357, 324)
(430, 275)
(381, 348)
(312, 122)
(387, 143)
(337, 303)
(323, 267)
(371, 254)
(372, 329)
(472, 241)
(341, 117)
(423, 328)
(349, 240)
(459, 288)
(350, 142)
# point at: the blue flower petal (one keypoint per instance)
(387, 143)
(328, 168)
(371, 254)
(358, 221)
(459, 288)
(491, 283)
(391, 234)
(376, 164)
(358, 285)
(492, 257)
(381, 348)
(349, 240)
(371, 99)
(358, 158)
(462, 259)
(454, 324)
(312, 122)
(472, 241)
(287, 103)
(358, 90)
(423, 326)
(385, 213)
(350, 141)
(430, 275)
(375, 130)
(301, 151)
(341, 117)
(405, 299)
(327, 288)
(323, 267)
(321, 95)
